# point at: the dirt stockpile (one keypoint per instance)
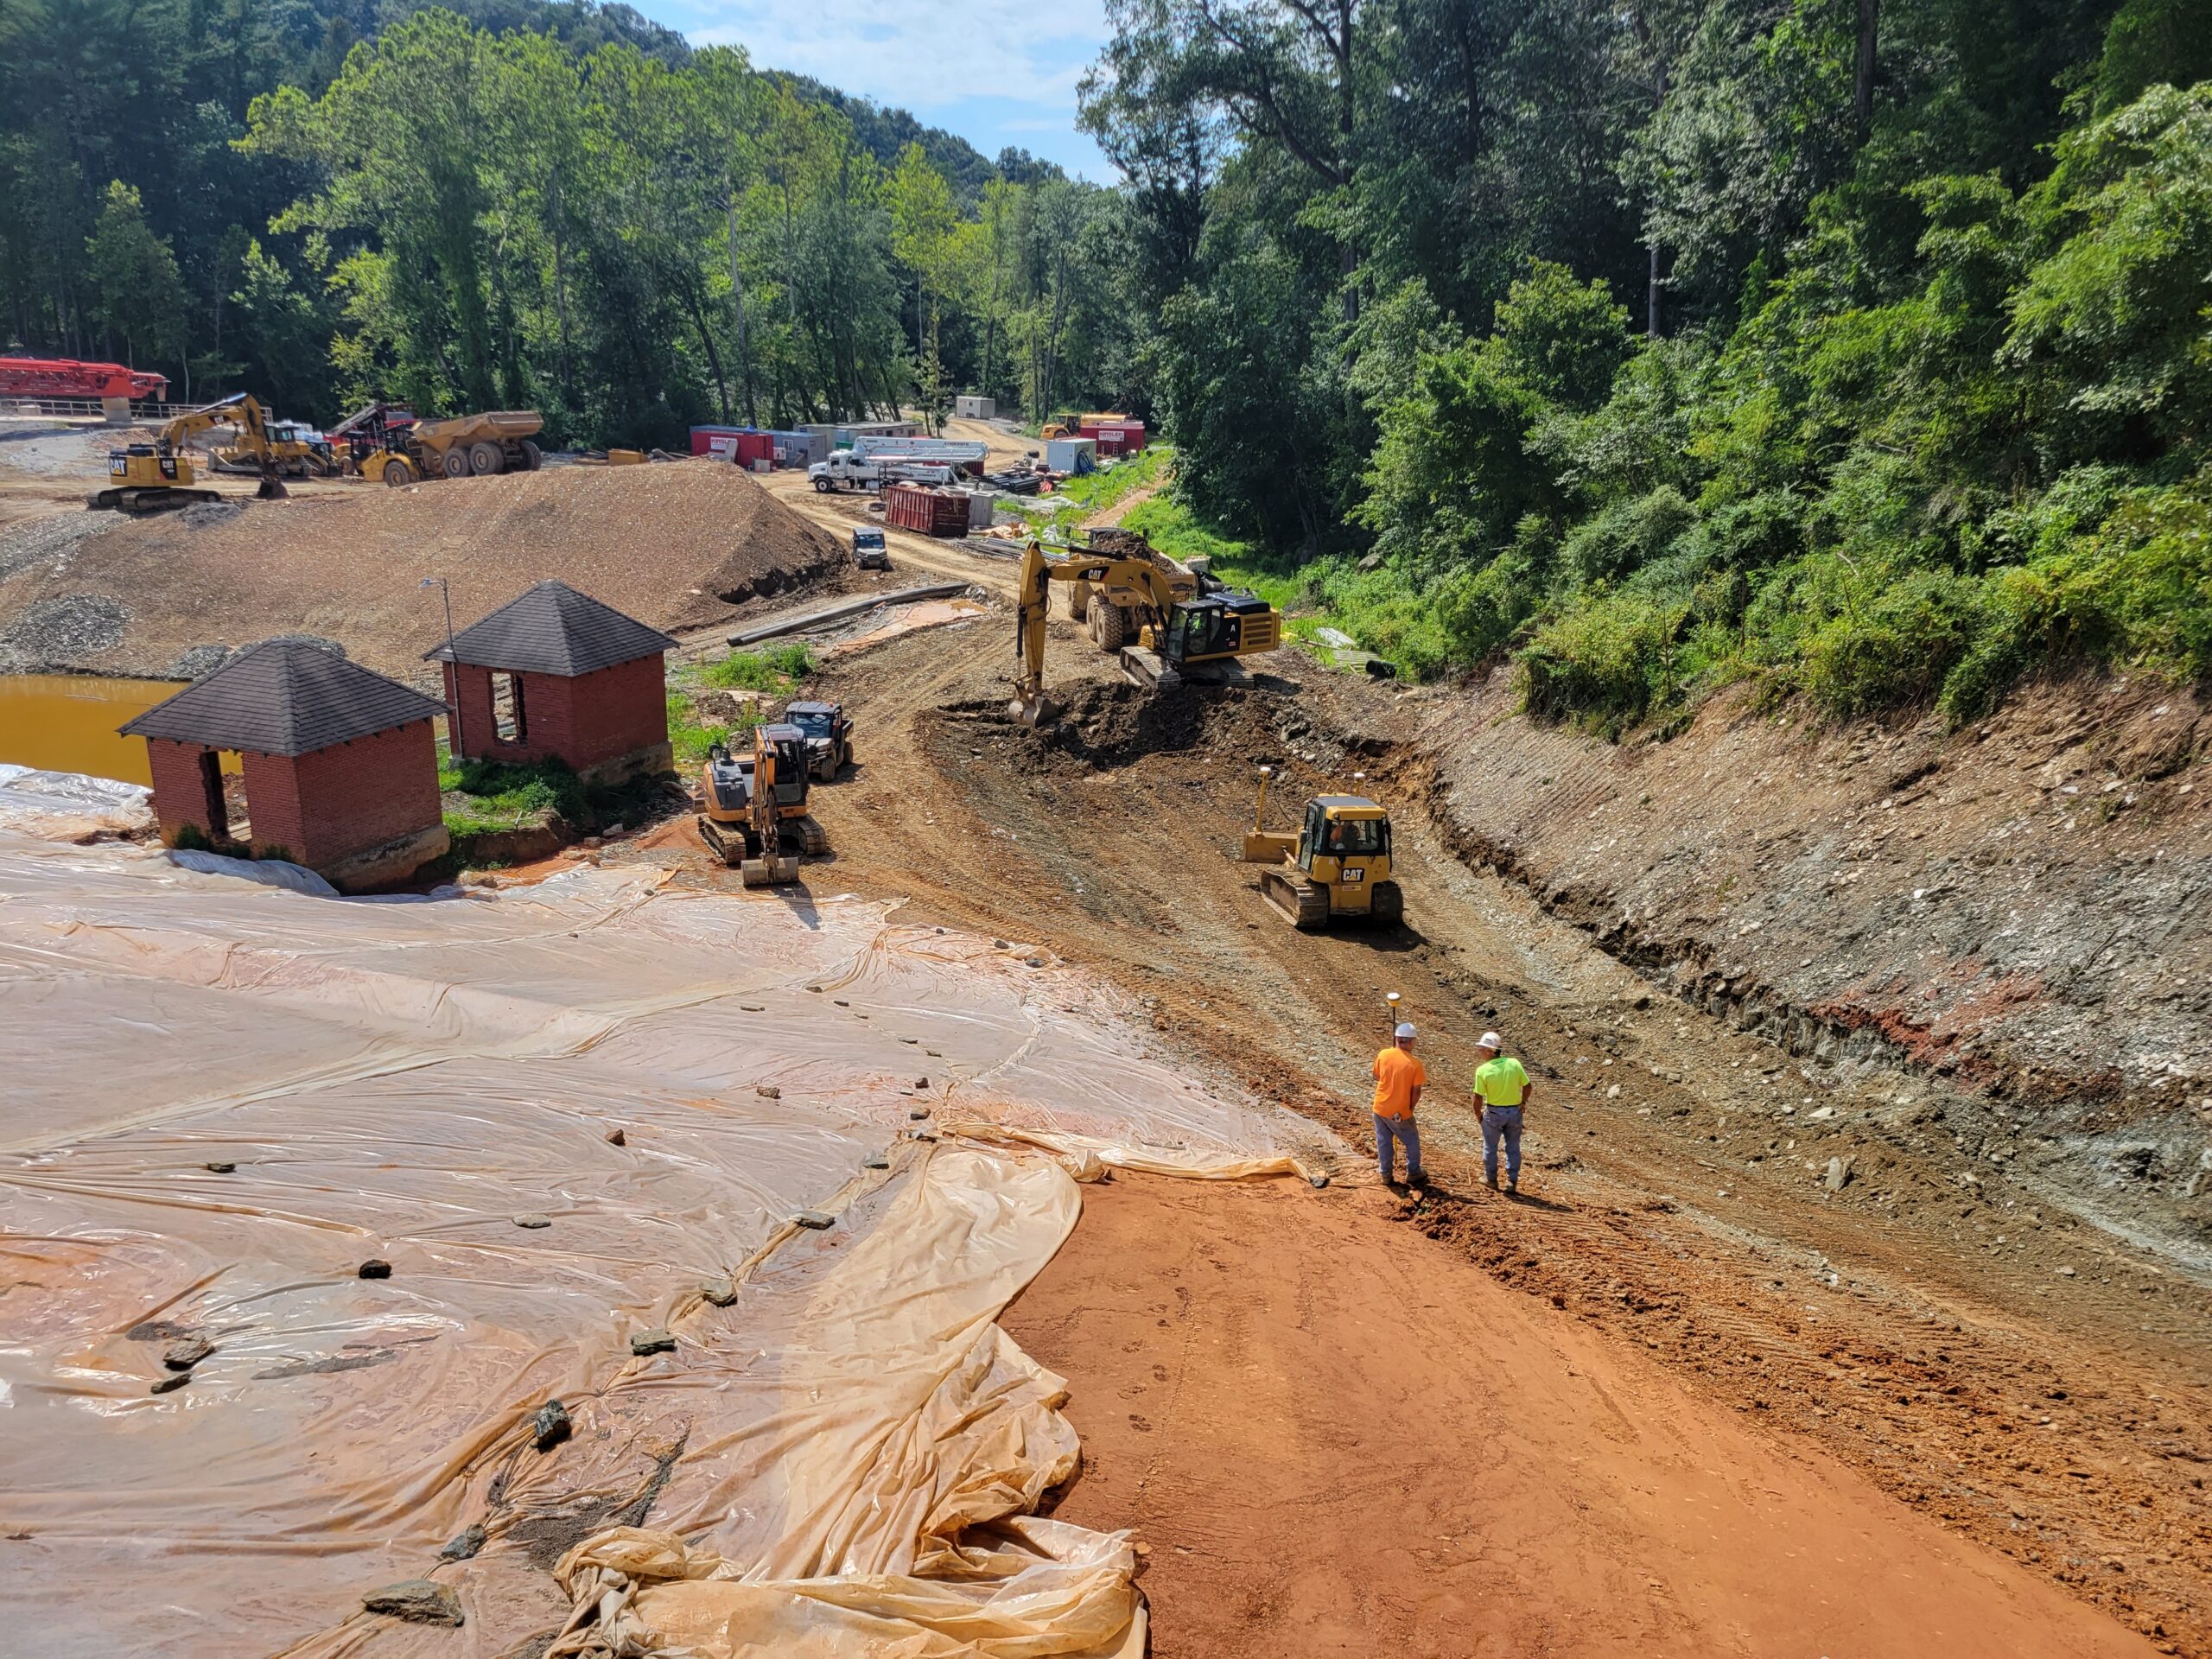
(2018, 908)
(678, 546)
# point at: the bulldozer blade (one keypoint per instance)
(1264, 847)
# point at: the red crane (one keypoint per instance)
(60, 377)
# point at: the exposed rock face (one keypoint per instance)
(2018, 910)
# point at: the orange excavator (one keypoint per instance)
(756, 819)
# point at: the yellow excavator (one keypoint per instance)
(756, 820)
(1196, 637)
(1336, 867)
(158, 476)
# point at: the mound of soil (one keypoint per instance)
(678, 546)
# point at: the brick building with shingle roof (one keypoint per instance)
(340, 763)
(555, 674)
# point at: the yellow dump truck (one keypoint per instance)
(404, 451)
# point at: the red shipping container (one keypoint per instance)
(924, 510)
(739, 443)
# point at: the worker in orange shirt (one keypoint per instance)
(1398, 1081)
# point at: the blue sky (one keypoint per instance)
(996, 72)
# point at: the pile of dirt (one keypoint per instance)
(678, 546)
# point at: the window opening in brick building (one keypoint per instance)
(507, 719)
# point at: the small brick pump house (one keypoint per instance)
(340, 763)
(553, 674)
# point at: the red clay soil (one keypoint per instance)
(1337, 1438)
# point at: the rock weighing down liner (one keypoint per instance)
(842, 1455)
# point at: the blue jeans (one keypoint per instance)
(1406, 1134)
(1502, 1123)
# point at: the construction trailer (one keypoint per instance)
(974, 409)
(926, 510)
(1115, 437)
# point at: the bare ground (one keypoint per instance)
(1984, 1356)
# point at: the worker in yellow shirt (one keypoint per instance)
(1502, 1085)
(1398, 1082)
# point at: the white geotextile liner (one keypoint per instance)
(853, 1441)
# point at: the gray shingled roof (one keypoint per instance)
(284, 697)
(551, 628)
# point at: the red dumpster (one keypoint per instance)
(927, 511)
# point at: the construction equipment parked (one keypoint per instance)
(829, 733)
(389, 444)
(756, 819)
(845, 470)
(158, 476)
(1336, 867)
(299, 452)
(1198, 637)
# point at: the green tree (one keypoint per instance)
(138, 296)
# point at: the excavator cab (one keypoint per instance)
(1226, 623)
(1336, 867)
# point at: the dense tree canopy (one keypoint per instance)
(1859, 344)
(550, 203)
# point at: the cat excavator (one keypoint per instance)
(158, 476)
(1178, 637)
(756, 820)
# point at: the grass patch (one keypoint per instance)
(691, 737)
(1059, 515)
(494, 798)
(776, 670)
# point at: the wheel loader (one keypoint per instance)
(1176, 637)
(1335, 869)
(157, 477)
(756, 820)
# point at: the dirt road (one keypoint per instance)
(1676, 1205)
(1336, 1439)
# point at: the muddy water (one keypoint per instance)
(65, 723)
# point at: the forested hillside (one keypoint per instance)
(521, 202)
(1860, 344)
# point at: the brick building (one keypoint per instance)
(340, 764)
(555, 674)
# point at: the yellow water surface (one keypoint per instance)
(65, 723)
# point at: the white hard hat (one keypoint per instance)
(1404, 1033)
(1491, 1040)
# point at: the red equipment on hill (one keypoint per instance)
(61, 376)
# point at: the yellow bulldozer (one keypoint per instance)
(1187, 628)
(158, 476)
(756, 819)
(1336, 867)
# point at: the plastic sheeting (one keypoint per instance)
(837, 1461)
(64, 806)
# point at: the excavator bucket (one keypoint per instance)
(1033, 711)
(271, 490)
(768, 872)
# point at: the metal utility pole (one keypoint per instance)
(453, 665)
